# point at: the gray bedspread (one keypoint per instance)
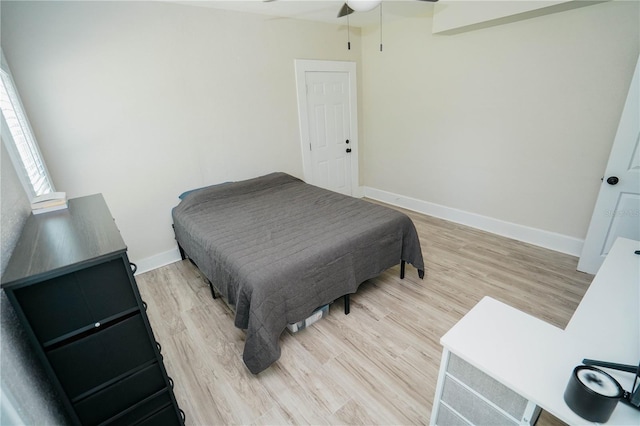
(277, 248)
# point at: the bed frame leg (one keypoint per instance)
(347, 304)
(402, 265)
(183, 256)
(213, 292)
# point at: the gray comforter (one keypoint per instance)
(277, 248)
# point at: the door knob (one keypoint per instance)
(612, 180)
(348, 150)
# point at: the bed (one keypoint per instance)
(277, 248)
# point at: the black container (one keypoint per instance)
(592, 394)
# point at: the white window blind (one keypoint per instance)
(19, 139)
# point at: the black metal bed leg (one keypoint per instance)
(183, 255)
(421, 273)
(213, 292)
(402, 264)
(347, 304)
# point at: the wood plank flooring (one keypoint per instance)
(379, 364)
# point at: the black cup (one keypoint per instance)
(592, 394)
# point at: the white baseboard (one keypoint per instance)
(538, 237)
(157, 260)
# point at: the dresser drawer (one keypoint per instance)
(120, 396)
(102, 357)
(70, 302)
(165, 417)
(147, 410)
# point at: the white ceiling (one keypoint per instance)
(321, 11)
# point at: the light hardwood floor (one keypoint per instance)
(379, 364)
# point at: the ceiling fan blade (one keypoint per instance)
(345, 10)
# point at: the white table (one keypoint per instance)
(534, 359)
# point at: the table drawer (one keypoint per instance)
(489, 388)
(446, 417)
(475, 409)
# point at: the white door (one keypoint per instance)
(617, 210)
(326, 102)
(329, 138)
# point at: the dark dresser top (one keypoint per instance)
(54, 242)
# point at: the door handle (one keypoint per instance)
(348, 150)
(612, 180)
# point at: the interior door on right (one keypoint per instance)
(617, 210)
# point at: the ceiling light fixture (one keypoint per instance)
(363, 5)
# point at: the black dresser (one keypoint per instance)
(72, 287)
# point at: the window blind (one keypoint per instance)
(23, 140)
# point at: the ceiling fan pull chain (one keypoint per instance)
(348, 34)
(381, 26)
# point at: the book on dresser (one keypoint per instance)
(49, 202)
(72, 286)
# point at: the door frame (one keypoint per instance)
(302, 66)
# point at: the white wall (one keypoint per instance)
(513, 122)
(141, 101)
(14, 207)
(26, 396)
